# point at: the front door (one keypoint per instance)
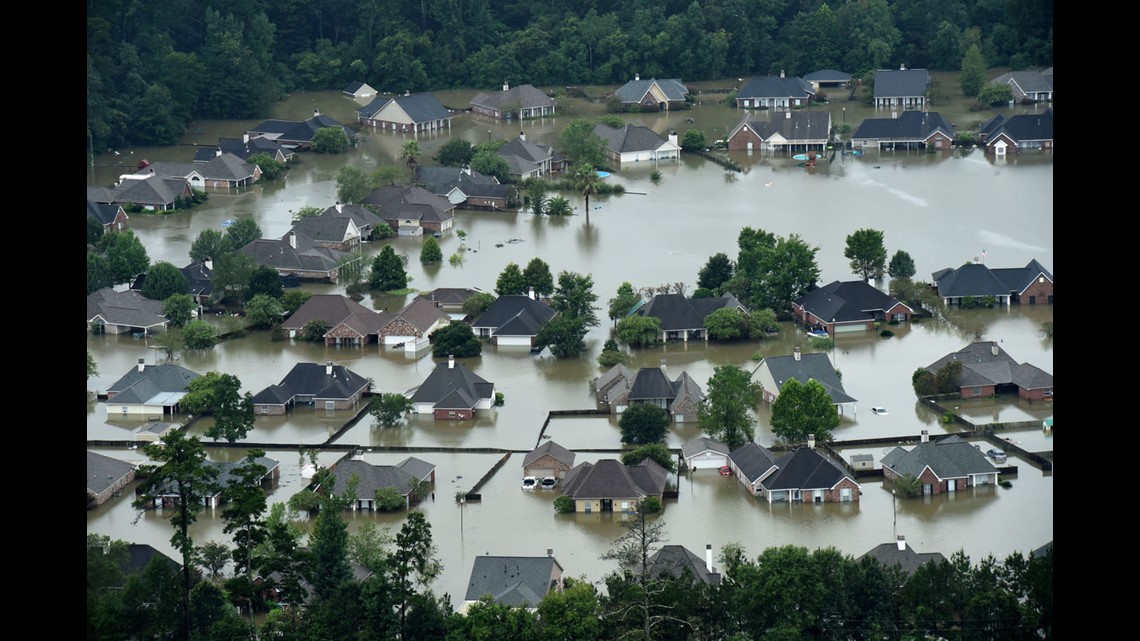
(607, 505)
(951, 485)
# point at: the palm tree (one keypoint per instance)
(586, 181)
(411, 153)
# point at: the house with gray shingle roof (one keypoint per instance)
(947, 464)
(900, 553)
(988, 370)
(294, 134)
(970, 281)
(789, 131)
(683, 318)
(451, 392)
(681, 398)
(349, 322)
(358, 90)
(407, 113)
(463, 186)
(702, 453)
(652, 94)
(411, 210)
(1029, 285)
(115, 312)
(331, 231)
(808, 475)
(1028, 86)
(548, 459)
(611, 486)
(827, 78)
(106, 477)
(364, 218)
(110, 216)
(614, 383)
(635, 143)
(850, 306)
(404, 477)
(451, 299)
(676, 561)
(245, 147)
(324, 387)
(901, 89)
(200, 280)
(149, 191)
(910, 130)
(149, 389)
(772, 372)
(224, 477)
(513, 319)
(223, 170)
(527, 159)
(1014, 134)
(513, 581)
(521, 102)
(297, 255)
(413, 325)
(752, 463)
(775, 92)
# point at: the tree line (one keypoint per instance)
(153, 70)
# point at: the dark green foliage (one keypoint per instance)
(477, 303)
(389, 409)
(292, 300)
(726, 414)
(208, 245)
(693, 140)
(716, 272)
(804, 409)
(271, 169)
(622, 302)
(431, 253)
(901, 266)
(314, 331)
(610, 357)
(330, 140)
(456, 152)
(511, 281)
(947, 378)
(164, 280)
(388, 273)
(923, 382)
(98, 273)
(994, 94)
(973, 76)
(455, 339)
(656, 451)
(243, 232)
(219, 395)
(199, 334)
(263, 311)
(538, 277)
(563, 504)
(179, 309)
(264, 281)
(867, 253)
(727, 323)
(772, 271)
(643, 423)
(126, 257)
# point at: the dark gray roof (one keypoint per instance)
(199, 279)
(828, 75)
(650, 383)
(274, 395)
(513, 99)
(224, 474)
(394, 202)
(986, 363)
(808, 367)
(619, 371)
(155, 191)
(325, 229)
(142, 386)
(675, 560)
(1018, 279)
(140, 555)
(514, 581)
(790, 125)
(1027, 81)
(374, 477)
(243, 148)
(972, 279)
(629, 138)
(889, 554)
(1022, 127)
(552, 449)
(775, 87)
(805, 468)
(611, 479)
(105, 213)
(949, 457)
(299, 132)
(515, 315)
(454, 385)
(441, 181)
(901, 83)
(315, 379)
(909, 126)
(676, 312)
(699, 444)
(849, 301)
(419, 107)
(127, 308)
(331, 308)
(282, 256)
(634, 90)
(353, 87)
(451, 296)
(753, 461)
(220, 166)
(104, 471)
(422, 314)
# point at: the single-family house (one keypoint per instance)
(548, 459)
(115, 312)
(297, 134)
(451, 299)
(617, 378)
(1029, 285)
(775, 92)
(297, 255)
(1016, 134)
(634, 143)
(522, 102)
(145, 191)
(245, 147)
(683, 318)
(793, 130)
(827, 78)
(526, 159)
(900, 553)
(223, 170)
(808, 475)
(609, 485)
(987, 370)
(513, 581)
(411, 210)
(703, 453)
(513, 319)
(619, 388)
(850, 306)
(451, 392)
(358, 90)
(909, 130)
(224, 476)
(412, 325)
(652, 94)
(901, 89)
(973, 282)
(106, 477)
(673, 561)
(773, 371)
(419, 112)
(200, 280)
(110, 216)
(942, 465)
(154, 431)
(365, 220)
(333, 231)
(327, 387)
(149, 389)
(752, 463)
(462, 186)
(348, 322)
(411, 478)
(1028, 86)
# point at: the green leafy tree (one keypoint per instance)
(179, 476)
(352, 185)
(389, 409)
(772, 271)
(901, 266)
(726, 413)
(948, 378)
(456, 152)
(163, 280)
(994, 93)
(536, 195)
(213, 557)
(656, 451)
(643, 536)
(413, 564)
(727, 323)
(271, 169)
(179, 309)
(171, 342)
(243, 232)
(572, 613)
(612, 355)
(126, 256)
(693, 140)
(431, 253)
(314, 331)
(489, 163)
(410, 152)
(587, 182)
(455, 339)
(329, 545)
(924, 382)
(94, 231)
(199, 335)
(477, 303)
(292, 300)
(231, 277)
(622, 302)
(973, 76)
(388, 272)
(92, 366)
(98, 273)
(264, 281)
(330, 140)
(208, 245)
(867, 253)
(488, 618)
(716, 272)
(581, 145)
(762, 322)
(263, 311)
(244, 512)
(219, 395)
(639, 330)
(511, 281)
(574, 301)
(538, 277)
(643, 423)
(802, 409)
(389, 499)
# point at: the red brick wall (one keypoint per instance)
(453, 415)
(1042, 292)
(741, 139)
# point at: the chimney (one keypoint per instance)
(451, 361)
(293, 239)
(925, 437)
(218, 151)
(673, 137)
(142, 364)
(994, 349)
(532, 294)
(901, 542)
(245, 139)
(328, 368)
(209, 264)
(506, 87)
(550, 552)
(811, 441)
(316, 112)
(787, 115)
(781, 74)
(663, 370)
(708, 558)
(522, 136)
(902, 67)
(796, 354)
(636, 77)
(339, 208)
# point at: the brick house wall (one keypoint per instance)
(453, 414)
(939, 141)
(548, 462)
(687, 408)
(740, 140)
(399, 327)
(1039, 293)
(833, 495)
(344, 335)
(269, 410)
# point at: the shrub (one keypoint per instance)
(886, 333)
(499, 399)
(649, 505)
(564, 504)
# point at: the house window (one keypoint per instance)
(845, 494)
(124, 409)
(450, 414)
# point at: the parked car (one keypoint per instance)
(726, 471)
(529, 482)
(548, 482)
(997, 455)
